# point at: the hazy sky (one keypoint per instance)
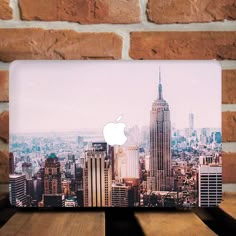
(60, 96)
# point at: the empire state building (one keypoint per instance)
(160, 144)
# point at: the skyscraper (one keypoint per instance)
(132, 161)
(52, 196)
(52, 175)
(11, 163)
(210, 181)
(160, 143)
(120, 195)
(27, 170)
(191, 123)
(17, 190)
(121, 164)
(97, 179)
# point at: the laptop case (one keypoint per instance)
(115, 134)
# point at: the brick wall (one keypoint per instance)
(125, 29)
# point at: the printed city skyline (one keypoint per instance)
(38, 98)
(161, 165)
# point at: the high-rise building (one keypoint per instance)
(11, 163)
(78, 181)
(132, 161)
(29, 190)
(160, 143)
(37, 189)
(147, 162)
(65, 186)
(100, 146)
(80, 197)
(17, 190)
(111, 154)
(210, 180)
(77, 184)
(97, 179)
(120, 195)
(121, 164)
(27, 170)
(210, 185)
(52, 175)
(33, 191)
(133, 191)
(191, 123)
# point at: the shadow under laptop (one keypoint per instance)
(217, 220)
(122, 221)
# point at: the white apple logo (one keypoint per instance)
(114, 133)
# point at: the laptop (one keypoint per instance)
(115, 134)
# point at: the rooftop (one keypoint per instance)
(52, 155)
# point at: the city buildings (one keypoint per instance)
(160, 143)
(191, 124)
(17, 190)
(97, 179)
(11, 163)
(132, 162)
(120, 164)
(54, 200)
(133, 185)
(159, 166)
(52, 175)
(27, 170)
(52, 196)
(210, 181)
(120, 195)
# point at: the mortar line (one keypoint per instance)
(143, 26)
(16, 10)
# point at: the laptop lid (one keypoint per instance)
(115, 134)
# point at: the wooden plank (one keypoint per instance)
(172, 223)
(228, 205)
(54, 223)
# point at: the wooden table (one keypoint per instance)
(228, 205)
(58, 224)
(173, 223)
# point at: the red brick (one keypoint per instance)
(4, 167)
(57, 44)
(4, 87)
(82, 11)
(4, 126)
(183, 45)
(229, 126)
(229, 87)
(186, 11)
(228, 168)
(5, 10)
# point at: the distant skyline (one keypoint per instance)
(88, 94)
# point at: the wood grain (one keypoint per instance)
(63, 223)
(172, 223)
(228, 205)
